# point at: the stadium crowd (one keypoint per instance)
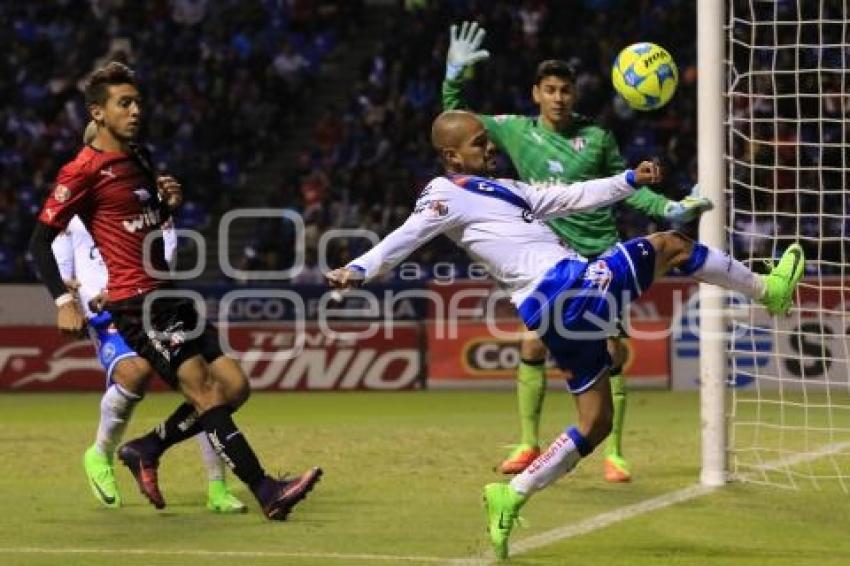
(222, 80)
(221, 96)
(369, 158)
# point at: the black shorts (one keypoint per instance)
(165, 345)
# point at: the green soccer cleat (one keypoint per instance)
(101, 476)
(220, 500)
(780, 283)
(502, 505)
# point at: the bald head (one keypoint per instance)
(462, 143)
(451, 128)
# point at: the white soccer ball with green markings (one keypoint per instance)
(645, 75)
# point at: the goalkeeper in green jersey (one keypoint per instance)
(560, 146)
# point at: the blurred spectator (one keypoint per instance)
(212, 107)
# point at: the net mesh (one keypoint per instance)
(787, 160)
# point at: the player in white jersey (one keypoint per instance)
(127, 374)
(570, 303)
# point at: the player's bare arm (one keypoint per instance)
(344, 278)
(170, 191)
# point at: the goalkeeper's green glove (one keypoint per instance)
(688, 208)
(463, 49)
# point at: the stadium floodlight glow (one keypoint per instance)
(246, 274)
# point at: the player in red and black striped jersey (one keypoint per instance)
(111, 186)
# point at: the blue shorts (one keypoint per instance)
(108, 343)
(583, 308)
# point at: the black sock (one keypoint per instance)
(232, 446)
(183, 423)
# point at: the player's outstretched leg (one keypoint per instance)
(774, 290)
(276, 497)
(501, 507)
(503, 501)
(219, 497)
(780, 283)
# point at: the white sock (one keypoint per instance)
(723, 270)
(215, 467)
(116, 407)
(561, 457)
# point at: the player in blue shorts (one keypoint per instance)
(127, 376)
(571, 303)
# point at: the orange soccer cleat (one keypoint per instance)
(522, 457)
(617, 470)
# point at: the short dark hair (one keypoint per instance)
(554, 68)
(98, 83)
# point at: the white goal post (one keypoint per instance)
(710, 112)
(774, 155)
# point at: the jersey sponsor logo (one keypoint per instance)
(107, 352)
(107, 172)
(149, 217)
(49, 212)
(537, 137)
(61, 193)
(528, 217)
(431, 208)
(599, 274)
(437, 208)
(578, 143)
(484, 186)
(644, 251)
(555, 166)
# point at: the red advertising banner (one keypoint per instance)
(469, 352)
(275, 356)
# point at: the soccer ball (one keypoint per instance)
(645, 75)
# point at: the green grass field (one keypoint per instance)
(403, 478)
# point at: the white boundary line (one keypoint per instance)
(605, 519)
(794, 459)
(225, 554)
(521, 547)
(665, 500)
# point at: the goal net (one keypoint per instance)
(787, 158)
